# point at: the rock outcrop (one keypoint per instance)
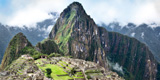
(77, 35)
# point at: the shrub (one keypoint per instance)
(54, 55)
(48, 71)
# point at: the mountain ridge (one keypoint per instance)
(144, 33)
(87, 41)
(77, 35)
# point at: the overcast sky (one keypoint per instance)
(28, 12)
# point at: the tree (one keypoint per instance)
(73, 71)
(48, 71)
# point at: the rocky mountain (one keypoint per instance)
(75, 32)
(14, 49)
(148, 34)
(22, 61)
(35, 34)
(77, 35)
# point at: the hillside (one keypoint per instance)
(62, 68)
(79, 49)
(14, 49)
(35, 33)
(77, 35)
(145, 33)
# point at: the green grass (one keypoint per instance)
(44, 40)
(56, 70)
(92, 71)
(79, 73)
(63, 62)
(40, 61)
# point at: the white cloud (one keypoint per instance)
(124, 11)
(115, 66)
(28, 12)
(49, 28)
(146, 14)
(28, 17)
(142, 35)
(133, 34)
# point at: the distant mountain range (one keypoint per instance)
(148, 34)
(35, 34)
(76, 35)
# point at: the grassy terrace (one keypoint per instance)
(58, 70)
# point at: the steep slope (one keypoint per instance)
(144, 33)
(14, 48)
(77, 34)
(35, 34)
(134, 56)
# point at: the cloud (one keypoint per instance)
(124, 11)
(146, 13)
(28, 12)
(116, 66)
(28, 17)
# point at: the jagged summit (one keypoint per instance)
(21, 35)
(12, 52)
(74, 7)
(77, 35)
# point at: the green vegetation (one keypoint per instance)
(131, 55)
(54, 55)
(58, 72)
(15, 46)
(48, 46)
(65, 31)
(92, 71)
(72, 72)
(48, 72)
(43, 41)
(33, 52)
(55, 69)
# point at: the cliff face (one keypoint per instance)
(14, 48)
(134, 56)
(77, 34)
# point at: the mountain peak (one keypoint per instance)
(20, 34)
(76, 4)
(74, 7)
(18, 42)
